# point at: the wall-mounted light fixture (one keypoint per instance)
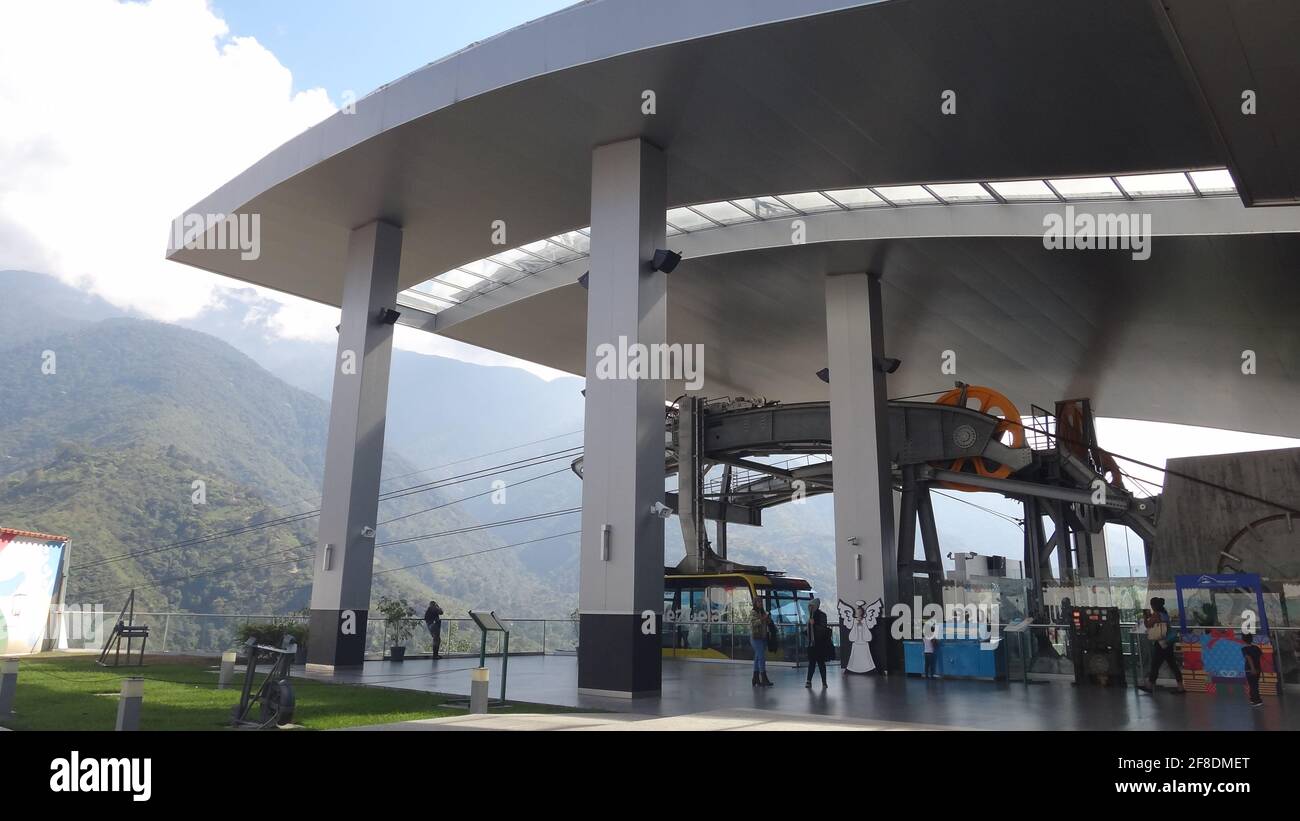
(886, 364)
(665, 260)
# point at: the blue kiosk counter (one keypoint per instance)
(959, 658)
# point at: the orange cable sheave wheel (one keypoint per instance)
(1010, 431)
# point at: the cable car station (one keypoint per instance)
(846, 207)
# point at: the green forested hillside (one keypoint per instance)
(130, 500)
(125, 382)
(107, 446)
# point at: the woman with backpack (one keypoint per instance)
(1162, 646)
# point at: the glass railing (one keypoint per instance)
(1043, 652)
(210, 634)
(462, 637)
(1046, 653)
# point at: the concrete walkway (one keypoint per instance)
(693, 689)
(717, 720)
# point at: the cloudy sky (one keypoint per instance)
(116, 116)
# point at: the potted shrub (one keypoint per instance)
(298, 630)
(398, 617)
(272, 634)
(267, 634)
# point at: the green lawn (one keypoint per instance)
(180, 693)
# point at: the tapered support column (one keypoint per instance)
(622, 562)
(866, 562)
(1093, 545)
(340, 596)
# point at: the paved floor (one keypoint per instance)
(695, 688)
(716, 720)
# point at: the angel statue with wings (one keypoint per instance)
(860, 618)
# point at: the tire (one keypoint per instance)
(278, 704)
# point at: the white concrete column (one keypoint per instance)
(866, 565)
(340, 596)
(622, 555)
(1100, 556)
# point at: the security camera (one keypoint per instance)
(661, 510)
(367, 532)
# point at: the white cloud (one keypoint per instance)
(116, 117)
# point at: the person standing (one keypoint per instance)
(760, 628)
(1162, 646)
(820, 647)
(1253, 657)
(930, 646)
(433, 621)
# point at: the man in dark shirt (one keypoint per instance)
(433, 621)
(1253, 657)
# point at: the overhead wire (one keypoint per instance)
(507, 467)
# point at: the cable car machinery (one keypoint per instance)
(1059, 473)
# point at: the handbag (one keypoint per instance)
(1158, 632)
(773, 641)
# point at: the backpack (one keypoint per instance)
(1158, 632)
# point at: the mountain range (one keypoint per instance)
(107, 420)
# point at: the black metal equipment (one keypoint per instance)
(274, 697)
(1096, 646)
(972, 438)
(124, 628)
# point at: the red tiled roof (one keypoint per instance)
(10, 533)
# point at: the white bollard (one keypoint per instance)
(227, 669)
(128, 706)
(8, 685)
(478, 690)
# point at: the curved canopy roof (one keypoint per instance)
(760, 97)
(769, 97)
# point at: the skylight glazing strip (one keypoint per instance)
(1214, 181)
(1156, 185)
(1086, 188)
(955, 193)
(723, 213)
(765, 208)
(472, 279)
(687, 220)
(553, 253)
(1023, 191)
(906, 195)
(810, 202)
(460, 279)
(854, 198)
